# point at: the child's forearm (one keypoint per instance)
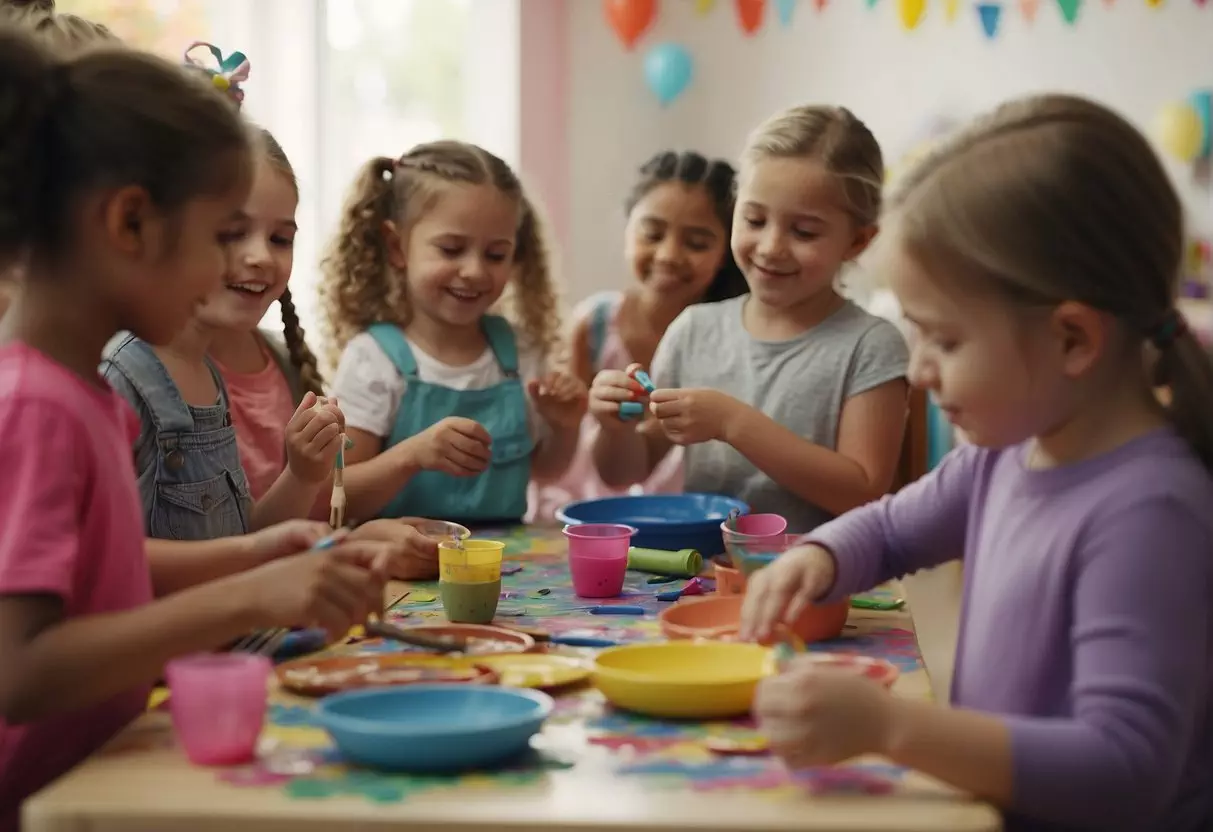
(817, 475)
(289, 498)
(371, 485)
(626, 457)
(966, 749)
(114, 652)
(177, 565)
(555, 454)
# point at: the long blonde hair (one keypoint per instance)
(359, 286)
(1055, 198)
(836, 139)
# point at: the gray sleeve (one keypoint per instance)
(145, 445)
(880, 356)
(667, 361)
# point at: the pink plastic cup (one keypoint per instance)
(760, 525)
(598, 558)
(218, 704)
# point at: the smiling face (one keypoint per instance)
(675, 241)
(460, 253)
(792, 231)
(262, 254)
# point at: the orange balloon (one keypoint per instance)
(749, 12)
(630, 18)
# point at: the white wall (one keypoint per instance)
(1129, 56)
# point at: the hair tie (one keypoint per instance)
(1172, 326)
(226, 73)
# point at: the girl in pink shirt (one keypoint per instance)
(680, 216)
(119, 180)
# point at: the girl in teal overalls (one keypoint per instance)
(452, 408)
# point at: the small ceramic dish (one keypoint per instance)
(880, 671)
(719, 616)
(322, 676)
(434, 729)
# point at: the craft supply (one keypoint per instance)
(754, 746)
(326, 675)
(663, 521)
(511, 569)
(662, 579)
(583, 641)
(685, 563)
(692, 587)
(630, 410)
(382, 629)
(862, 603)
(233, 685)
(642, 378)
(616, 609)
(469, 579)
(598, 558)
(472, 639)
(539, 671)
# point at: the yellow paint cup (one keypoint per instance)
(471, 562)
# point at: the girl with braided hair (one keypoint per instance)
(453, 408)
(679, 220)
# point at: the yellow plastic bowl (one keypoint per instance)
(683, 679)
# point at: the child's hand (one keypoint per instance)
(335, 589)
(456, 446)
(284, 539)
(610, 389)
(313, 437)
(815, 716)
(412, 555)
(560, 399)
(781, 592)
(689, 416)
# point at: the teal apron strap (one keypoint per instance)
(501, 340)
(391, 340)
(600, 318)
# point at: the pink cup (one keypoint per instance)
(760, 525)
(218, 704)
(598, 558)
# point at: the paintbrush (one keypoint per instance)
(442, 644)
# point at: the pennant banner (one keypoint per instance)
(704, 6)
(990, 15)
(785, 9)
(1028, 9)
(749, 14)
(951, 8)
(911, 12)
(1069, 10)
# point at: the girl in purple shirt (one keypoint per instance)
(1037, 256)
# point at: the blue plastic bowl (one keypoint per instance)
(436, 728)
(662, 521)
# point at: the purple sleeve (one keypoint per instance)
(922, 525)
(1140, 646)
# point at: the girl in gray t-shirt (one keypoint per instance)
(790, 398)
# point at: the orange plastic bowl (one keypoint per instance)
(719, 617)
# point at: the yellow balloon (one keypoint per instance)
(911, 12)
(1180, 131)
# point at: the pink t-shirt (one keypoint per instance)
(70, 526)
(261, 404)
(581, 481)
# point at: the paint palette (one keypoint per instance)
(538, 671)
(315, 677)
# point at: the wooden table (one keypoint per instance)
(595, 770)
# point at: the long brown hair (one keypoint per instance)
(1055, 198)
(300, 354)
(99, 118)
(359, 286)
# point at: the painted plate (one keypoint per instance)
(335, 674)
(533, 670)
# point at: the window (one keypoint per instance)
(339, 82)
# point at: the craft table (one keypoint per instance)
(592, 770)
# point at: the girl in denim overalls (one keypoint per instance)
(452, 408)
(191, 478)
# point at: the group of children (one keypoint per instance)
(161, 508)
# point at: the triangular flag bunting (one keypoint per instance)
(1028, 9)
(821, 5)
(704, 6)
(785, 8)
(951, 8)
(1154, 4)
(749, 14)
(910, 12)
(1201, 3)
(990, 15)
(1069, 10)
(872, 3)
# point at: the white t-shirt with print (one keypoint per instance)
(369, 389)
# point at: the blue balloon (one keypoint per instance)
(668, 68)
